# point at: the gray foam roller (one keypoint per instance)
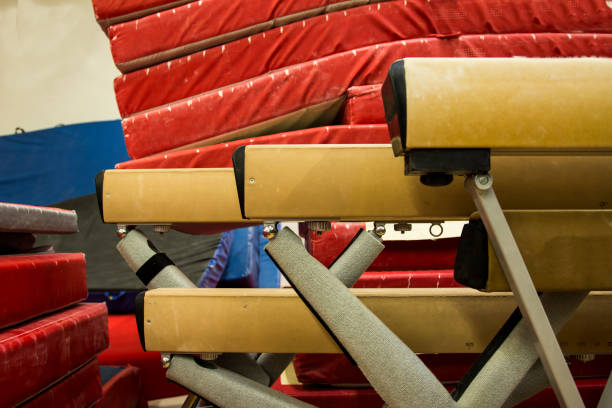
(397, 374)
(513, 359)
(135, 250)
(225, 388)
(349, 266)
(534, 382)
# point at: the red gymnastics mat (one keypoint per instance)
(80, 389)
(345, 30)
(415, 255)
(220, 155)
(109, 12)
(363, 105)
(204, 24)
(37, 354)
(40, 283)
(312, 93)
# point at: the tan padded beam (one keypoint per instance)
(564, 251)
(276, 320)
(157, 196)
(508, 103)
(366, 182)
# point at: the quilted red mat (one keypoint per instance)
(419, 255)
(363, 105)
(40, 283)
(350, 29)
(212, 117)
(80, 389)
(39, 353)
(220, 155)
(34, 219)
(203, 24)
(109, 12)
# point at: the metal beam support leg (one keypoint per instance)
(509, 256)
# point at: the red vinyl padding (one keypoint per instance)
(419, 255)
(363, 105)
(80, 389)
(179, 30)
(37, 354)
(40, 283)
(268, 96)
(350, 29)
(125, 349)
(220, 155)
(105, 9)
(123, 390)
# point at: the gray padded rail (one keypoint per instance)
(225, 388)
(348, 267)
(397, 374)
(137, 250)
(516, 355)
(43, 220)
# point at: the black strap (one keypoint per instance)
(152, 267)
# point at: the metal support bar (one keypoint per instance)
(511, 261)
(191, 401)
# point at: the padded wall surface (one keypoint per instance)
(41, 283)
(80, 389)
(211, 116)
(37, 354)
(397, 255)
(220, 155)
(350, 29)
(363, 105)
(32, 219)
(204, 24)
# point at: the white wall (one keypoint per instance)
(55, 65)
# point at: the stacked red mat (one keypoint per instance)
(201, 78)
(208, 72)
(49, 342)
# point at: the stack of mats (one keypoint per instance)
(48, 340)
(201, 78)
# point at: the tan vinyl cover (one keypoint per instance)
(509, 103)
(563, 251)
(366, 182)
(158, 196)
(276, 320)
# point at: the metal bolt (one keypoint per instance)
(585, 358)
(121, 230)
(166, 359)
(483, 181)
(319, 226)
(269, 230)
(161, 228)
(209, 356)
(379, 229)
